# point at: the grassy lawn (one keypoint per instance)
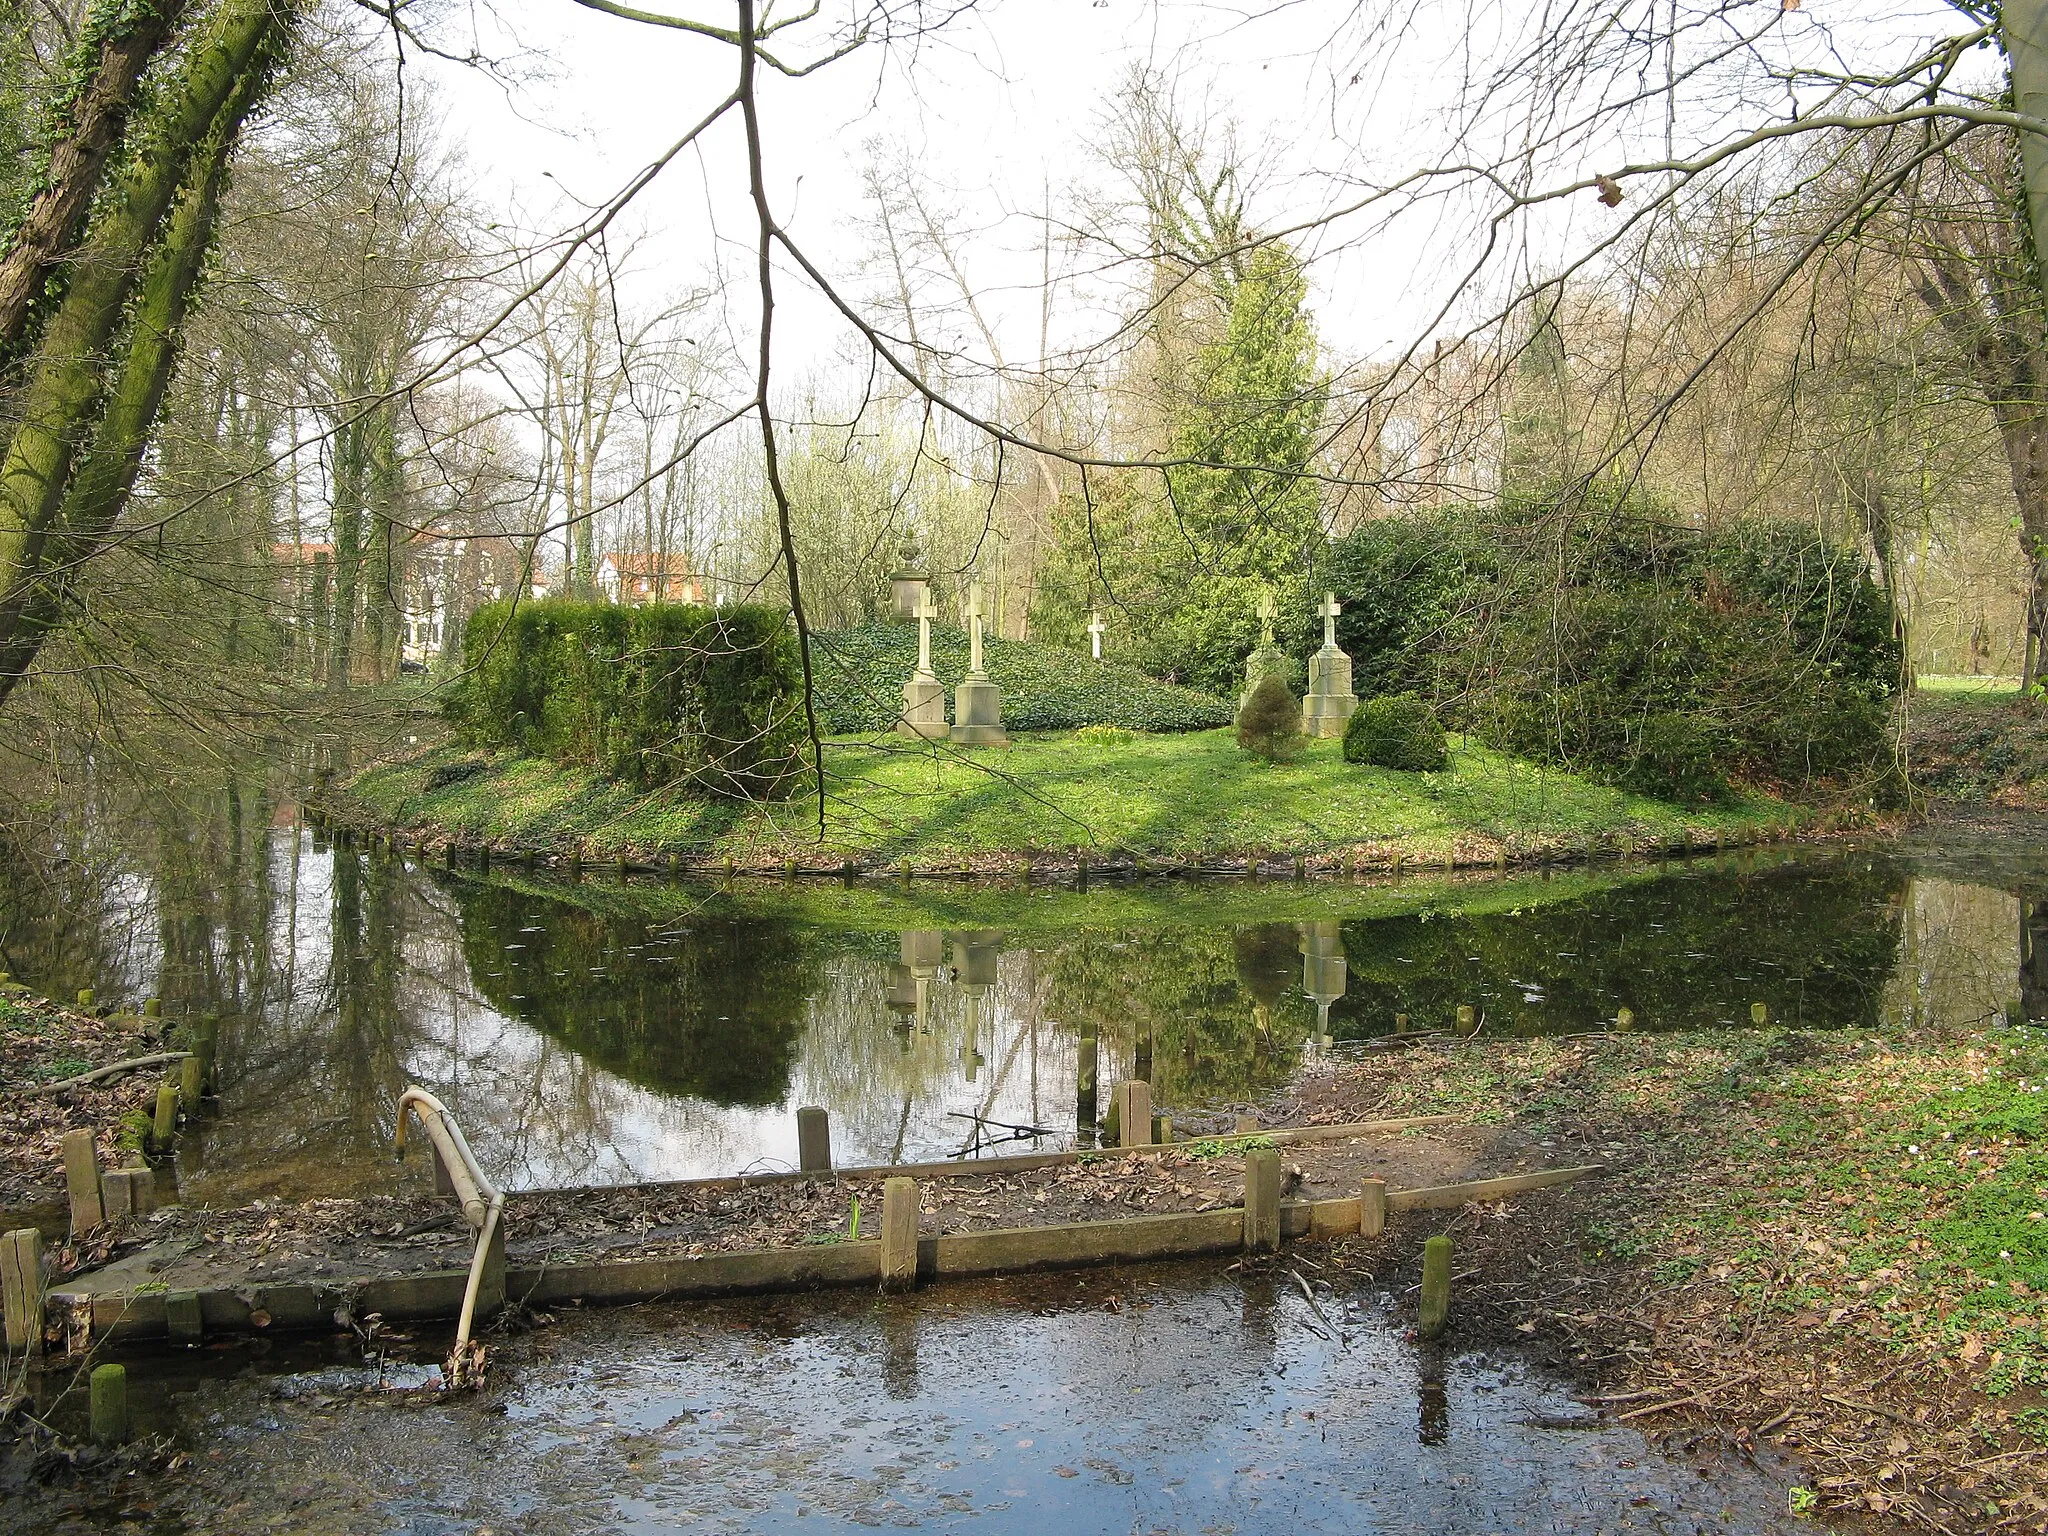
(2002, 687)
(1175, 796)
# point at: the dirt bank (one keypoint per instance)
(1836, 1245)
(42, 1043)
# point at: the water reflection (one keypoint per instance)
(596, 1032)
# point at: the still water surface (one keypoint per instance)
(606, 1031)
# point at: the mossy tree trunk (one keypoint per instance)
(87, 392)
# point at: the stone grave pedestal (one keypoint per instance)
(1330, 701)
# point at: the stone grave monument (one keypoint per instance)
(1095, 629)
(1268, 658)
(1330, 700)
(924, 696)
(977, 702)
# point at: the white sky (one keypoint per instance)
(997, 113)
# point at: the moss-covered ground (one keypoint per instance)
(1179, 797)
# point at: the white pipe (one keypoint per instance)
(482, 1202)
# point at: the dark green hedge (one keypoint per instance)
(1606, 635)
(861, 674)
(654, 695)
(1395, 730)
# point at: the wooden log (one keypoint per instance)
(1444, 1196)
(1261, 1200)
(899, 1234)
(82, 1181)
(1436, 1287)
(21, 1290)
(109, 1404)
(813, 1140)
(1372, 1207)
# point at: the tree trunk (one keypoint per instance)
(88, 403)
(126, 38)
(2024, 430)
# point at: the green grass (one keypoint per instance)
(2000, 687)
(1176, 797)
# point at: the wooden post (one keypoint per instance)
(1436, 1287)
(109, 1397)
(82, 1181)
(2015, 1011)
(153, 1008)
(490, 1290)
(813, 1140)
(1162, 1130)
(1261, 1200)
(85, 999)
(182, 1319)
(1624, 1018)
(1247, 1125)
(899, 1234)
(1468, 1019)
(1086, 1060)
(117, 1195)
(21, 1290)
(1372, 1207)
(191, 1083)
(165, 1128)
(1759, 1013)
(1400, 1023)
(1133, 1112)
(483, 858)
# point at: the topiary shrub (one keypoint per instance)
(1396, 730)
(1269, 723)
(663, 694)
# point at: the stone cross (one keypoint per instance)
(1268, 612)
(1329, 609)
(974, 628)
(1095, 629)
(925, 614)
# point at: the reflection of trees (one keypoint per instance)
(712, 1009)
(1220, 1012)
(1693, 950)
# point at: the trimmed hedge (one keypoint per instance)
(708, 696)
(1396, 731)
(860, 676)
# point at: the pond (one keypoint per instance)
(605, 1031)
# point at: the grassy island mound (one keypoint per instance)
(1183, 797)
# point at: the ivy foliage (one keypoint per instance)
(668, 693)
(860, 676)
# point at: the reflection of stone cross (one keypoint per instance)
(1329, 609)
(925, 614)
(974, 628)
(1095, 629)
(1268, 612)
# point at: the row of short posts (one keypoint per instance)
(96, 1197)
(902, 1201)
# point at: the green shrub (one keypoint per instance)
(668, 693)
(1596, 630)
(1396, 731)
(1269, 724)
(1674, 760)
(860, 676)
